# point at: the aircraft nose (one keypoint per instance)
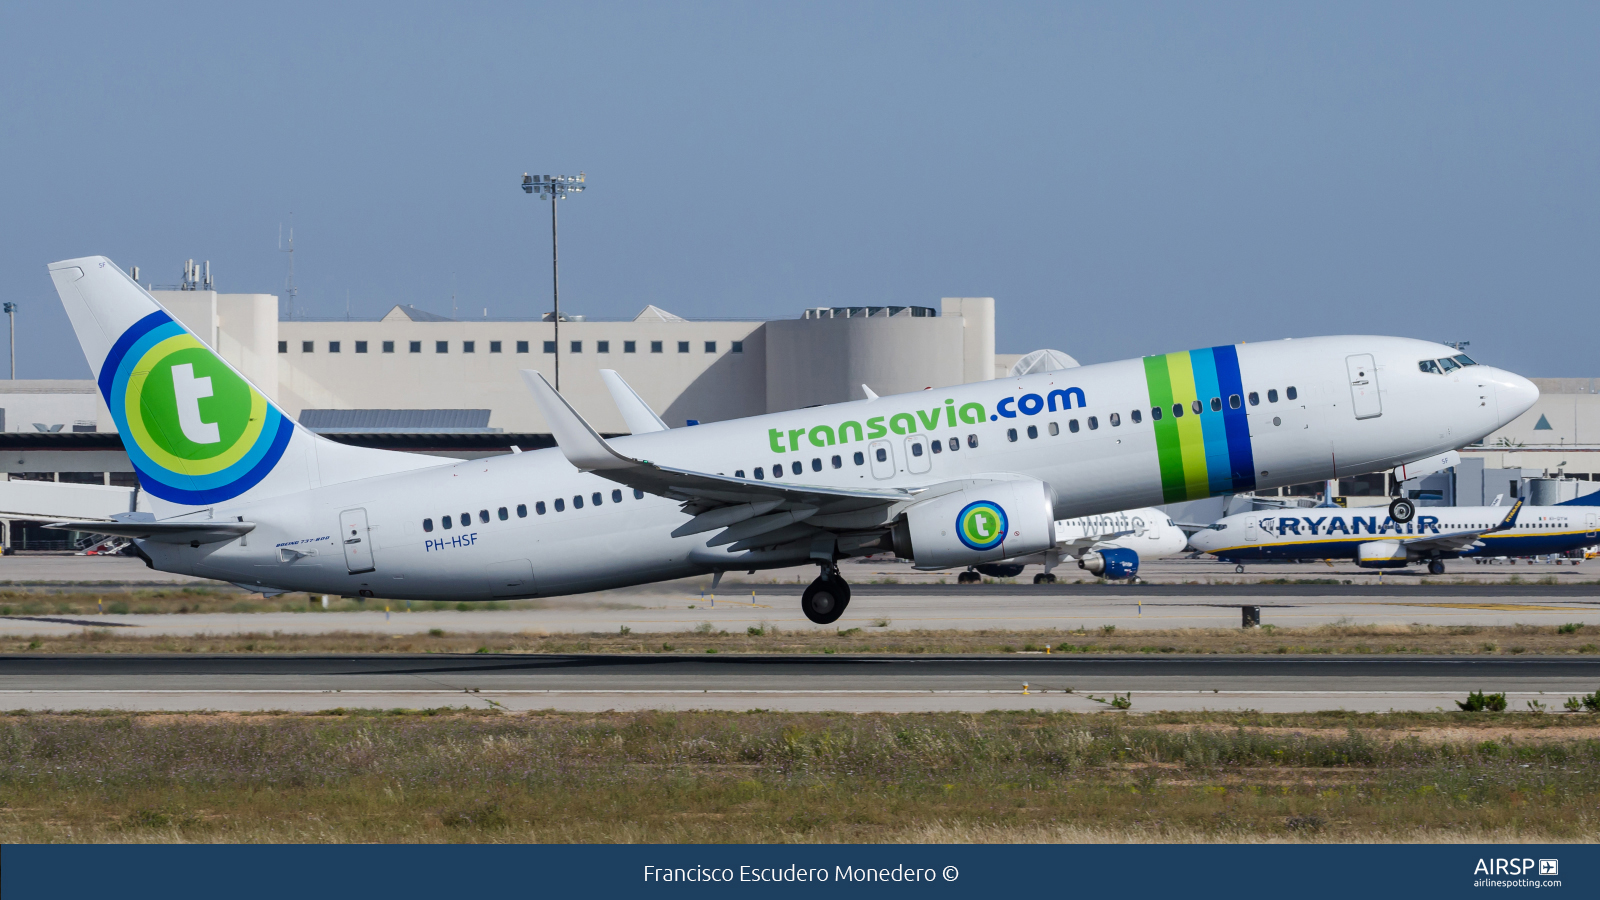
(1514, 394)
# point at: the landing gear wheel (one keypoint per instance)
(1402, 510)
(1436, 568)
(1239, 569)
(825, 600)
(969, 577)
(1044, 578)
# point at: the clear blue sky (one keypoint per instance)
(1124, 178)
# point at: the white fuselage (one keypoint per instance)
(1093, 469)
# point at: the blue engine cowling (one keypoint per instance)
(1113, 563)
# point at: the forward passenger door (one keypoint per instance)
(1364, 386)
(918, 459)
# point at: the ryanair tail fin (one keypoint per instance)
(197, 431)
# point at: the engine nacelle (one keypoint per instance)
(1112, 562)
(1381, 555)
(986, 522)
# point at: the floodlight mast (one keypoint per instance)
(554, 188)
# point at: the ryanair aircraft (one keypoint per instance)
(950, 477)
(1377, 541)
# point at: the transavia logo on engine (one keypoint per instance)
(196, 432)
(981, 525)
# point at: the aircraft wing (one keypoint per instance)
(1457, 541)
(751, 511)
(1077, 546)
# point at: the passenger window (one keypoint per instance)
(466, 519)
(1197, 407)
(796, 467)
(860, 458)
(816, 464)
(1072, 425)
(1155, 413)
(522, 510)
(937, 446)
(738, 473)
(638, 494)
(445, 521)
(777, 471)
(1291, 393)
(1054, 429)
(1115, 419)
(616, 496)
(972, 441)
(1011, 434)
(1216, 404)
(837, 462)
(1272, 396)
(1177, 410)
(504, 513)
(596, 498)
(1093, 423)
(882, 454)
(1033, 431)
(577, 501)
(561, 505)
(427, 524)
(916, 449)
(1233, 401)
(1255, 399)
(761, 474)
(483, 516)
(538, 507)
(1430, 367)
(1136, 416)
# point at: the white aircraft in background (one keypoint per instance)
(946, 477)
(1376, 541)
(1111, 545)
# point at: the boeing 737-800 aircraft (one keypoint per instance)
(947, 477)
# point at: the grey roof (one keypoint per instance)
(397, 421)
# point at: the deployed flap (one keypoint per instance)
(638, 415)
(1427, 466)
(589, 452)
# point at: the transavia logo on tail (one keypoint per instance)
(981, 525)
(195, 431)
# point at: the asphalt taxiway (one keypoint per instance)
(732, 682)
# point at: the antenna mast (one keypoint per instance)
(289, 289)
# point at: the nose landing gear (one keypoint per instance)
(826, 598)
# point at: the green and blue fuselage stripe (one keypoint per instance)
(1215, 457)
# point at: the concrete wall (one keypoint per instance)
(815, 361)
(69, 403)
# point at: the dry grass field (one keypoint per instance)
(443, 775)
(1357, 639)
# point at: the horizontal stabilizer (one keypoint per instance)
(185, 531)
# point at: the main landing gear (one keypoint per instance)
(824, 601)
(1435, 568)
(1044, 578)
(969, 577)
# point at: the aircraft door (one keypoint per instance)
(1591, 525)
(1250, 533)
(882, 455)
(918, 459)
(1364, 386)
(512, 578)
(357, 540)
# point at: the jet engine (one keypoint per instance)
(1112, 562)
(1381, 555)
(993, 521)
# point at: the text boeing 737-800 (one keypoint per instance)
(949, 477)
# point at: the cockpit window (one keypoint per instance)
(1449, 365)
(1464, 359)
(1430, 366)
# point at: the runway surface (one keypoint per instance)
(846, 683)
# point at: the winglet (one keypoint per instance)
(641, 419)
(579, 443)
(868, 391)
